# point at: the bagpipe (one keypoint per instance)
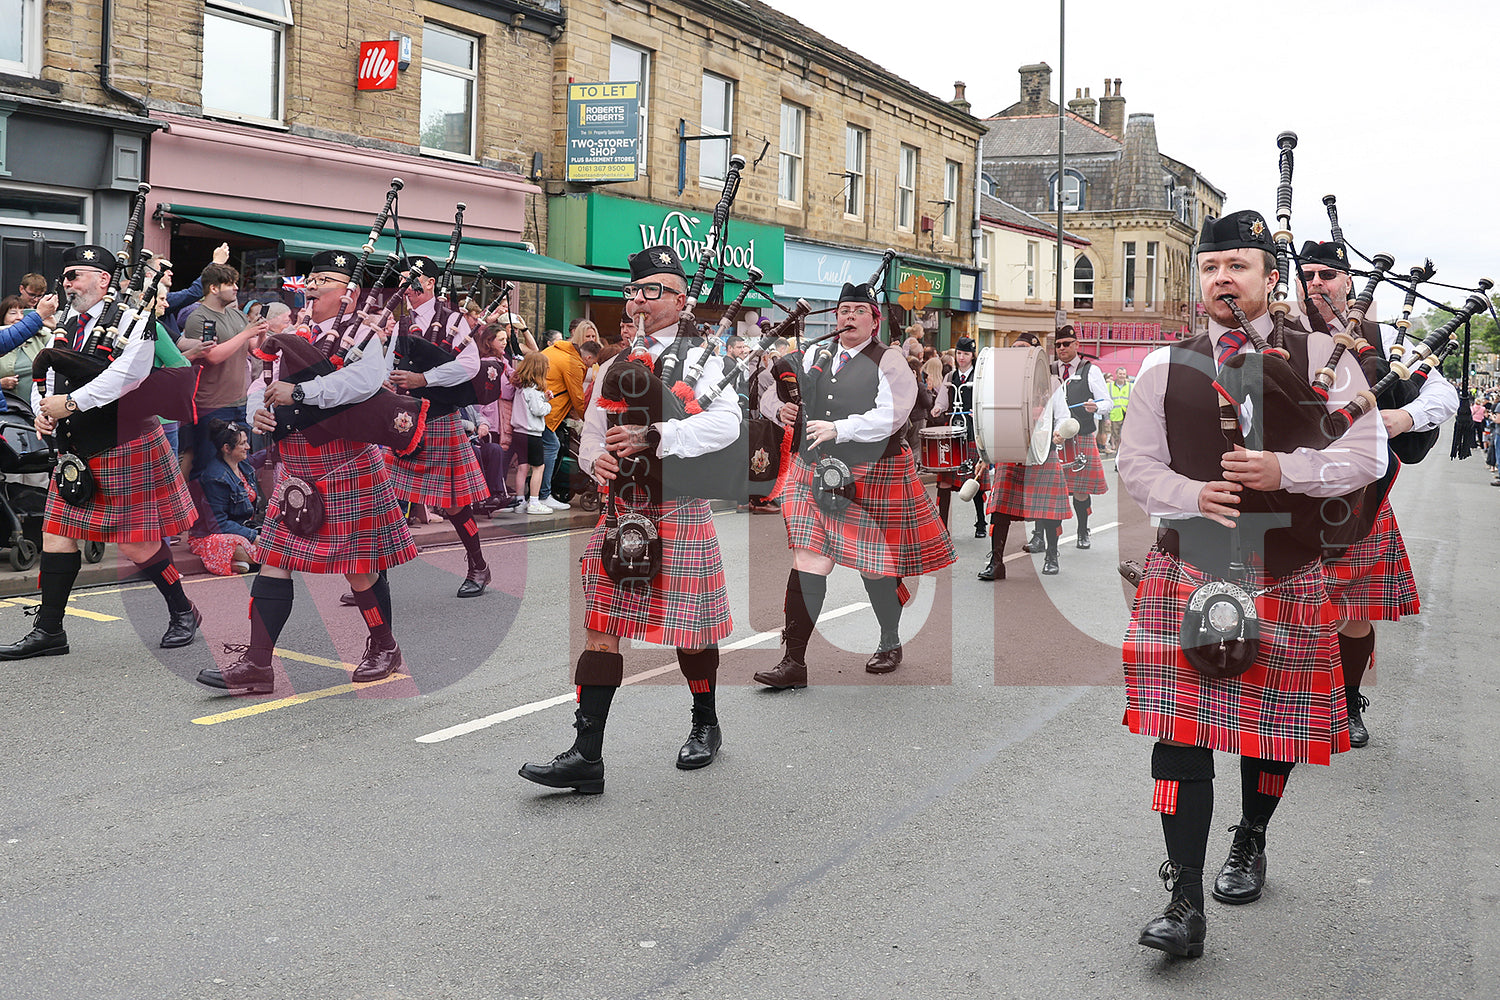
(128, 315)
(422, 351)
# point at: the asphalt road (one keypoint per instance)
(976, 824)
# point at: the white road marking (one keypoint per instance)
(1063, 538)
(474, 725)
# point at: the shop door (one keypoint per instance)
(39, 249)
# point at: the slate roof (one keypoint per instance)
(998, 210)
(1036, 135)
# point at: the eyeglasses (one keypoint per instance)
(1325, 276)
(650, 291)
(319, 279)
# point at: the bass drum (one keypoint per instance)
(1012, 389)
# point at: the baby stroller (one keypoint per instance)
(25, 459)
(581, 489)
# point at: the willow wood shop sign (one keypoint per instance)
(619, 227)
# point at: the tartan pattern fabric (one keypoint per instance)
(1164, 797)
(1372, 580)
(1273, 785)
(1289, 706)
(890, 529)
(445, 473)
(952, 480)
(141, 496)
(1091, 480)
(363, 530)
(686, 605)
(1030, 492)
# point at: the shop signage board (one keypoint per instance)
(619, 227)
(604, 131)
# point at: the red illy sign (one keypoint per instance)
(377, 65)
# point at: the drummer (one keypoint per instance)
(955, 400)
(1089, 399)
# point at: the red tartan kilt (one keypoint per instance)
(1372, 580)
(141, 496)
(363, 531)
(686, 605)
(1091, 480)
(890, 529)
(1288, 706)
(445, 473)
(1030, 492)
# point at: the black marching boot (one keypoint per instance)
(1244, 873)
(571, 769)
(1181, 928)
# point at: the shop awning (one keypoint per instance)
(305, 237)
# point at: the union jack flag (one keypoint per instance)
(296, 283)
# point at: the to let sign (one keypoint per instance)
(604, 131)
(377, 64)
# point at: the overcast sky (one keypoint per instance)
(1396, 118)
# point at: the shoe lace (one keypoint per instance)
(1180, 909)
(1169, 873)
(32, 611)
(1243, 850)
(1361, 703)
(236, 647)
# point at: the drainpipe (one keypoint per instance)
(106, 32)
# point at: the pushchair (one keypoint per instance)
(569, 482)
(25, 458)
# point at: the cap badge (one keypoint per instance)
(1257, 228)
(87, 255)
(340, 260)
(664, 259)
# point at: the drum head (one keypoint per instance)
(1012, 389)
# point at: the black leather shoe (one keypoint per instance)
(789, 673)
(1036, 543)
(1244, 872)
(37, 642)
(1083, 539)
(1049, 565)
(1358, 734)
(884, 660)
(701, 747)
(475, 583)
(378, 663)
(347, 599)
(981, 531)
(569, 769)
(243, 674)
(1179, 931)
(181, 629)
(993, 570)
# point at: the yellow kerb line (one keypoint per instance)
(296, 699)
(28, 602)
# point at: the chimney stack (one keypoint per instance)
(1082, 104)
(959, 100)
(1112, 110)
(1036, 89)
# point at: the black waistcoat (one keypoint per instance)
(961, 397)
(830, 396)
(1080, 393)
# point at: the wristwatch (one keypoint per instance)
(70, 403)
(298, 395)
(652, 438)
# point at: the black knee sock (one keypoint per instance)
(1049, 532)
(382, 591)
(379, 625)
(468, 533)
(1356, 653)
(945, 497)
(1081, 508)
(1262, 783)
(164, 574)
(1184, 795)
(593, 705)
(57, 572)
(701, 670)
(270, 607)
(887, 605)
(804, 602)
(999, 531)
(979, 515)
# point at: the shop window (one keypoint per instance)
(1074, 189)
(244, 58)
(793, 131)
(630, 63)
(449, 80)
(21, 50)
(717, 119)
(906, 188)
(952, 181)
(1083, 283)
(856, 143)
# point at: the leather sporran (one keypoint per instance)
(1220, 631)
(75, 480)
(302, 507)
(833, 486)
(631, 553)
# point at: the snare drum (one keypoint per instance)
(1012, 389)
(943, 449)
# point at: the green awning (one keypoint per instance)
(304, 237)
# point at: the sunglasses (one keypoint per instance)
(1326, 275)
(74, 275)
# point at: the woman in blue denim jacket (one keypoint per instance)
(224, 537)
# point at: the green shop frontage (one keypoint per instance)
(942, 298)
(600, 232)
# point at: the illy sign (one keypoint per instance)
(377, 64)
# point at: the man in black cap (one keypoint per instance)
(139, 498)
(1235, 523)
(685, 604)
(1087, 395)
(876, 518)
(1372, 580)
(956, 402)
(362, 532)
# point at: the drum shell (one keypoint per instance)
(943, 448)
(1013, 389)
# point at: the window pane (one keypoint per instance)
(446, 108)
(713, 155)
(276, 8)
(40, 207)
(789, 187)
(241, 67)
(854, 167)
(13, 16)
(447, 47)
(626, 63)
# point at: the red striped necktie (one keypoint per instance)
(1230, 344)
(844, 357)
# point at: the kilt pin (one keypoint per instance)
(140, 497)
(1090, 479)
(444, 474)
(1030, 492)
(890, 529)
(1289, 706)
(1372, 580)
(686, 605)
(363, 530)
